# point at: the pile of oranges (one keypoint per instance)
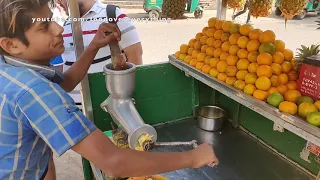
(248, 59)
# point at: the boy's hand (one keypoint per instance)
(203, 155)
(101, 39)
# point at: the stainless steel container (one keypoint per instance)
(211, 118)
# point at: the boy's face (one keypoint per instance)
(44, 37)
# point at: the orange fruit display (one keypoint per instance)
(264, 59)
(292, 95)
(232, 60)
(231, 71)
(264, 70)
(263, 83)
(260, 95)
(288, 107)
(222, 66)
(231, 80)
(249, 89)
(288, 54)
(278, 57)
(254, 34)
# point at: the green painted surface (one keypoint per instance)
(162, 94)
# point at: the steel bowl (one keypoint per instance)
(211, 118)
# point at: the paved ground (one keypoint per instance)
(162, 38)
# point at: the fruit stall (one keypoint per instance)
(270, 96)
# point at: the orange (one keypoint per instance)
(233, 39)
(210, 41)
(273, 90)
(260, 95)
(282, 89)
(177, 54)
(201, 56)
(293, 76)
(241, 74)
(206, 69)
(283, 78)
(239, 84)
(231, 71)
(204, 30)
(278, 57)
(190, 50)
(286, 67)
(213, 72)
(192, 42)
(306, 108)
(225, 46)
(233, 50)
(198, 36)
(225, 37)
(243, 64)
(253, 45)
(217, 43)
(187, 59)
(263, 83)
(224, 56)
(218, 34)
(207, 60)
(317, 103)
(242, 42)
(231, 80)
(267, 36)
(204, 48)
(218, 24)
(254, 34)
(217, 53)
(288, 54)
(222, 77)
(209, 51)
(249, 89)
(182, 56)
(292, 85)
(212, 22)
(199, 65)
(252, 56)
(276, 68)
(197, 45)
(252, 68)
(251, 78)
(232, 60)
(193, 62)
(274, 81)
(210, 32)
(222, 66)
(292, 95)
(280, 46)
(226, 26)
(288, 107)
(203, 40)
(264, 70)
(195, 54)
(264, 59)
(245, 29)
(242, 54)
(214, 62)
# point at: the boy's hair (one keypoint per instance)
(16, 18)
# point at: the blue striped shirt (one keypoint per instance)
(37, 117)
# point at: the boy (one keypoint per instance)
(38, 117)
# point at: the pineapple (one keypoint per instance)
(291, 8)
(260, 8)
(305, 52)
(236, 4)
(173, 9)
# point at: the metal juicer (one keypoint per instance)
(120, 84)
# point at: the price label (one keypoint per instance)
(314, 149)
(309, 81)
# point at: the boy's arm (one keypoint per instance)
(74, 75)
(51, 113)
(130, 40)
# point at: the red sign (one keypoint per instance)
(314, 149)
(309, 81)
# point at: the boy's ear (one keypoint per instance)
(12, 45)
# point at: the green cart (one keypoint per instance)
(154, 8)
(311, 6)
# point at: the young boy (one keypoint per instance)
(38, 117)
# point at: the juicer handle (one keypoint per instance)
(195, 145)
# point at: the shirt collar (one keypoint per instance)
(50, 72)
(95, 8)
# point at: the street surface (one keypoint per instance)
(159, 39)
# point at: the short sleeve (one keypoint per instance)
(52, 114)
(129, 34)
